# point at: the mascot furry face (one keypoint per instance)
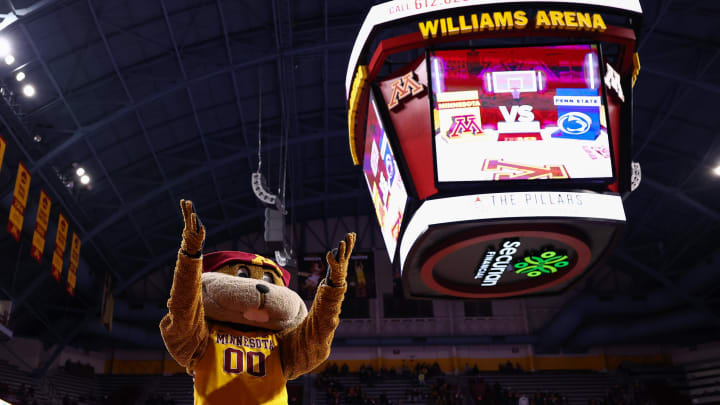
(244, 288)
(236, 326)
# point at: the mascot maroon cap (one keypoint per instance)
(213, 261)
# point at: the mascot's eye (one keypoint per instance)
(243, 272)
(268, 277)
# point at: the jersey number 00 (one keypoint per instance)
(236, 361)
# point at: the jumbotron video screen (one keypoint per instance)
(384, 180)
(525, 113)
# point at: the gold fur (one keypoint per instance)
(197, 300)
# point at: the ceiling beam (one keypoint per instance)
(663, 114)
(93, 128)
(130, 98)
(70, 111)
(233, 76)
(168, 255)
(193, 107)
(211, 165)
(17, 130)
(669, 284)
(680, 195)
(28, 13)
(700, 84)
(658, 17)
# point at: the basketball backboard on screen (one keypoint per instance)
(515, 82)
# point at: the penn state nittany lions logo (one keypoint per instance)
(390, 167)
(575, 123)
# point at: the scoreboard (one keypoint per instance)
(496, 156)
(533, 113)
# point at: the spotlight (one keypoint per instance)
(9, 60)
(4, 47)
(29, 90)
(37, 138)
(80, 172)
(20, 76)
(85, 180)
(717, 170)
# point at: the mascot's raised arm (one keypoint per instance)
(237, 327)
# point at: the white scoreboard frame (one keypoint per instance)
(399, 9)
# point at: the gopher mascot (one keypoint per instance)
(237, 327)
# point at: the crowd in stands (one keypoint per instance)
(495, 394)
(442, 393)
(79, 369)
(632, 394)
(338, 394)
(507, 368)
(23, 395)
(26, 395)
(436, 393)
(157, 399)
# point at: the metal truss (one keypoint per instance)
(166, 256)
(23, 14)
(233, 76)
(91, 129)
(70, 111)
(670, 285)
(191, 99)
(52, 183)
(211, 165)
(131, 99)
(664, 113)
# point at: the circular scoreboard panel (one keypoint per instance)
(494, 170)
(507, 263)
(506, 244)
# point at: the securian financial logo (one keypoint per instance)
(547, 263)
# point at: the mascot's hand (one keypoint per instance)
(339, 262)
(193, 236)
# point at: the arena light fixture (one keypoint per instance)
(29, 90)
(85, 180)
(20, 76)
(80, 171)
(716, 170)
(9, 60)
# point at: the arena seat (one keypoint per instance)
(703, 380)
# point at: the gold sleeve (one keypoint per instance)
(184, 328)
(306, 346)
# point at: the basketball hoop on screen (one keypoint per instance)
(515, 82)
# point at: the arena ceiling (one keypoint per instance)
(161, 100)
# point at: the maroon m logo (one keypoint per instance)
(463, 124)
(404, 87)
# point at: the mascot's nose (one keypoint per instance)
(262, 288)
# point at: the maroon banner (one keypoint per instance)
(20, 196)
(41, 224)
(59, 253)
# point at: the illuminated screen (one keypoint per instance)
(525, 113)
(384, 180)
